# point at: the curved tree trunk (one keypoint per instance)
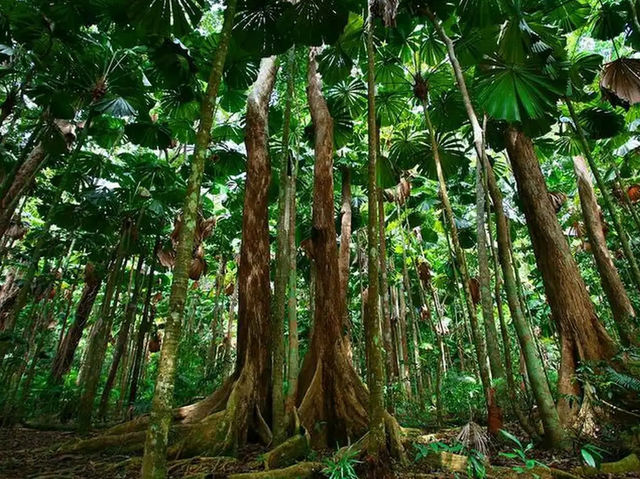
(623, 312)
(66, 352)
(583, 336)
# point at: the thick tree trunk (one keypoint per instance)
(154, 461)
(332, 399)
(623, 312)
(583, 336)
(66, 352)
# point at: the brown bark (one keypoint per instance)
(583, 336)
(64, 357)
(621, 307)
(345, 254)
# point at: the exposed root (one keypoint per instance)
(288, 452)
(629, 464)
(301, 470)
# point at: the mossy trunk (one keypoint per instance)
(283, 258)
(376, 441)
(344, 254)
(154, 461)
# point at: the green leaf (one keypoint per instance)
(162, 17)
(588, 458)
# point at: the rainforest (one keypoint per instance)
(290, 239)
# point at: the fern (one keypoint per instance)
(623, 381)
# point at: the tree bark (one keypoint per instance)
(332, 399)
(606, 196)
(145, 325)
(98, 340)
(64, 357)
(376, 443)
(283, 257)
(154, 460)
(583, 336)
(344, 254)
(624, 315)
(123, 339)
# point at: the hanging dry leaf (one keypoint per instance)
(620, 82)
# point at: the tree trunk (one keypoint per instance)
(478, 339)
(583, 336)
(244, 398)
(283, 257)
(66, 352)
(376, 443)
(154, 460)
(484, 276)
(606, 196)
(332, 399)
(344, 255)
(292, 313)
(387, 334)
(623, 312)
(99, 338)
(123, 338)
(23, 178)
(145, 325)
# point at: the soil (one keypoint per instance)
(27, 453)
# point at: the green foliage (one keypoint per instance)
(520, 453)
(342, 465)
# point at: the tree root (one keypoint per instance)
(631, 463)
(301, 470)
(288, 452)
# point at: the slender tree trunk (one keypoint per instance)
(145, 325)
(99, 338)
(403, 341)
(606, 196)
(292, 318)
(123, 339)
(387, 338)
(154, 460)
(478, 339)
(283, 257)
(623, 312)
(228, 363)
(484, 276)
(583, 336)
(344, 255)
(554, 433)
(376, 444)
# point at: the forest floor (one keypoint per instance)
(26, 453)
